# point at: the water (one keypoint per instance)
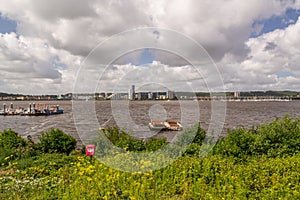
(135, 115)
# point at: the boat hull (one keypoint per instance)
(165, 126)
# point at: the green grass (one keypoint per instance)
(213, 177)
(258, 163)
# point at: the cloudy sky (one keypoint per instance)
(45, 44)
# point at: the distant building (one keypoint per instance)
(131, 93)
(155, 95)
(170, 94)
(150, 95)
(143, 95)
(162, 95)
(20, 98)
(237, 94)
(116, 96)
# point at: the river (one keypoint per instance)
(110, 113)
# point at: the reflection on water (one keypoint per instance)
(108, 113)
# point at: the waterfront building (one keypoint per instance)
(131, 93)
(237, 94)
(171, 95)
(142, 95)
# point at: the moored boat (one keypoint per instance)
(173, 125)
(39, 109)
(168, 125)
(157, 125)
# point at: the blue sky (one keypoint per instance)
(146, 57)
(277, 22)
(7, 25)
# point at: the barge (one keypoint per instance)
(39, 109)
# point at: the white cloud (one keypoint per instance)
(70, 29)
(272, 63)
(119, 78)
(28, 65)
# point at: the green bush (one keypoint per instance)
(281, 137)
(56, 141)
(237, 143)
(128, 143)
(154, 144)
(190, 139)
(12, 146)
(9, 139)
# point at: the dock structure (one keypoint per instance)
(39, 109)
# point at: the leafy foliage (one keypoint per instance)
(11, 146)
(56, 141)
(280, 137)
(213, 177)
(128, 143)
(269, 169)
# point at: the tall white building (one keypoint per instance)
(237, 94)
(131, 93)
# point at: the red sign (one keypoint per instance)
(90, 150)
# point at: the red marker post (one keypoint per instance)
(90, 150)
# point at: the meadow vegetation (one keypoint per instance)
(258, 163)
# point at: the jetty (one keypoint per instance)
(39, 109)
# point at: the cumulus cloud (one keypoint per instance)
(31, 62)
(272, 63)
(119, 78)
(54, 37)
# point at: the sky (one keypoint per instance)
(47, 47)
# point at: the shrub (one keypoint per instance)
(281, 137)
(154, 144)
(56, 141)
(11, 146)
(277, 138)
(192, 139)
(237, 143)
(9, 139)
(126, 142)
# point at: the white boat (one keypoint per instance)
(168, 125)
(157, 125)
(173, 125)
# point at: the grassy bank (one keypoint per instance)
(258, 163)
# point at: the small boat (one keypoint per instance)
(173, 125)
(168, 125)
(157, 125)
(53, 110)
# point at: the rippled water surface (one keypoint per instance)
(137, 114)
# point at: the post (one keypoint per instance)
(90, 150)
(4, 107)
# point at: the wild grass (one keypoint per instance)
(258, 163)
